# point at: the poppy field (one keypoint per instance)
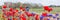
(36, 10)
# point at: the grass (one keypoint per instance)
(55, 9)
(0, 14)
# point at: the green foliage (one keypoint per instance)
(0, 7)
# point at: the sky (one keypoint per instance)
(43, 2)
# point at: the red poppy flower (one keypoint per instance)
(44, 14)
(11, 9)
(22, 17)
(16, 10)
(46, 7)
(21, 8)
(29, 15)
(50, 9)
(4, 6)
